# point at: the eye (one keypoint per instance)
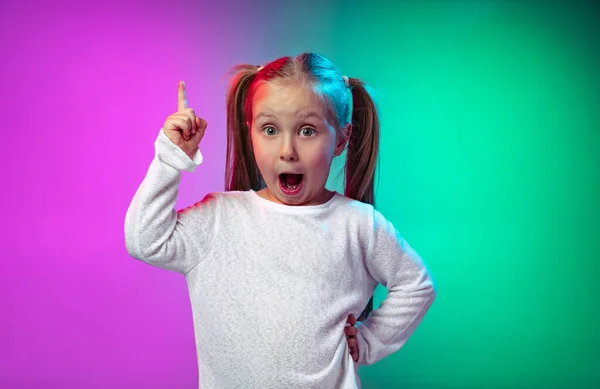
(270, 131)
(307, 131)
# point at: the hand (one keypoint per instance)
(351, 333)
(184, 128)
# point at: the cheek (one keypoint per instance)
(261, 154)
(321, 160)
(257, 147)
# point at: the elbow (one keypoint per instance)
(137, 242)
(130, 235)
(131, 245)
(132, 240)
(146, 249)
(432, 295)
(431, 292)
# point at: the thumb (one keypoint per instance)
(351, 320)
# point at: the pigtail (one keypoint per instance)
(363, 145)
(241, 171)
(362, 153)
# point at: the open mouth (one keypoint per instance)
(290, 183)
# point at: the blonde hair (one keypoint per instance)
(347, 101)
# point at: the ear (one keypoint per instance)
(342, 141)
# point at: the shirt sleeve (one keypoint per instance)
(393, 263)
(155, 232)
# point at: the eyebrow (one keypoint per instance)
(303, 115)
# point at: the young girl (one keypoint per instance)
(276, 265)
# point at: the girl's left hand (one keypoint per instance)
(351, 333)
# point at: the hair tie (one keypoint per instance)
(346, 81)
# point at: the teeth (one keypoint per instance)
(290, 187)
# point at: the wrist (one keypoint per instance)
(192, 153)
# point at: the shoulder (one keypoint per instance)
(374, 224)
(359, 212)
(210, 202)
(224, 197)
(233, 203)
(219, 204)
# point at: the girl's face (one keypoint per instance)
(294, 143)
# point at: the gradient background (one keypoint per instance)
(490, 168)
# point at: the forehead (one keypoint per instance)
(285, 98)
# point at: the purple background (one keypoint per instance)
(86, 88)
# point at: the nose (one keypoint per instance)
(288, 151)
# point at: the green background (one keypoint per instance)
(490, 168)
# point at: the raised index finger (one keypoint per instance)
(181, 97)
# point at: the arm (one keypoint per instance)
(155, 232)
(394, 264)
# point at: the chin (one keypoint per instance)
(293, 201)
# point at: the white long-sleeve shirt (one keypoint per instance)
(271, 285)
